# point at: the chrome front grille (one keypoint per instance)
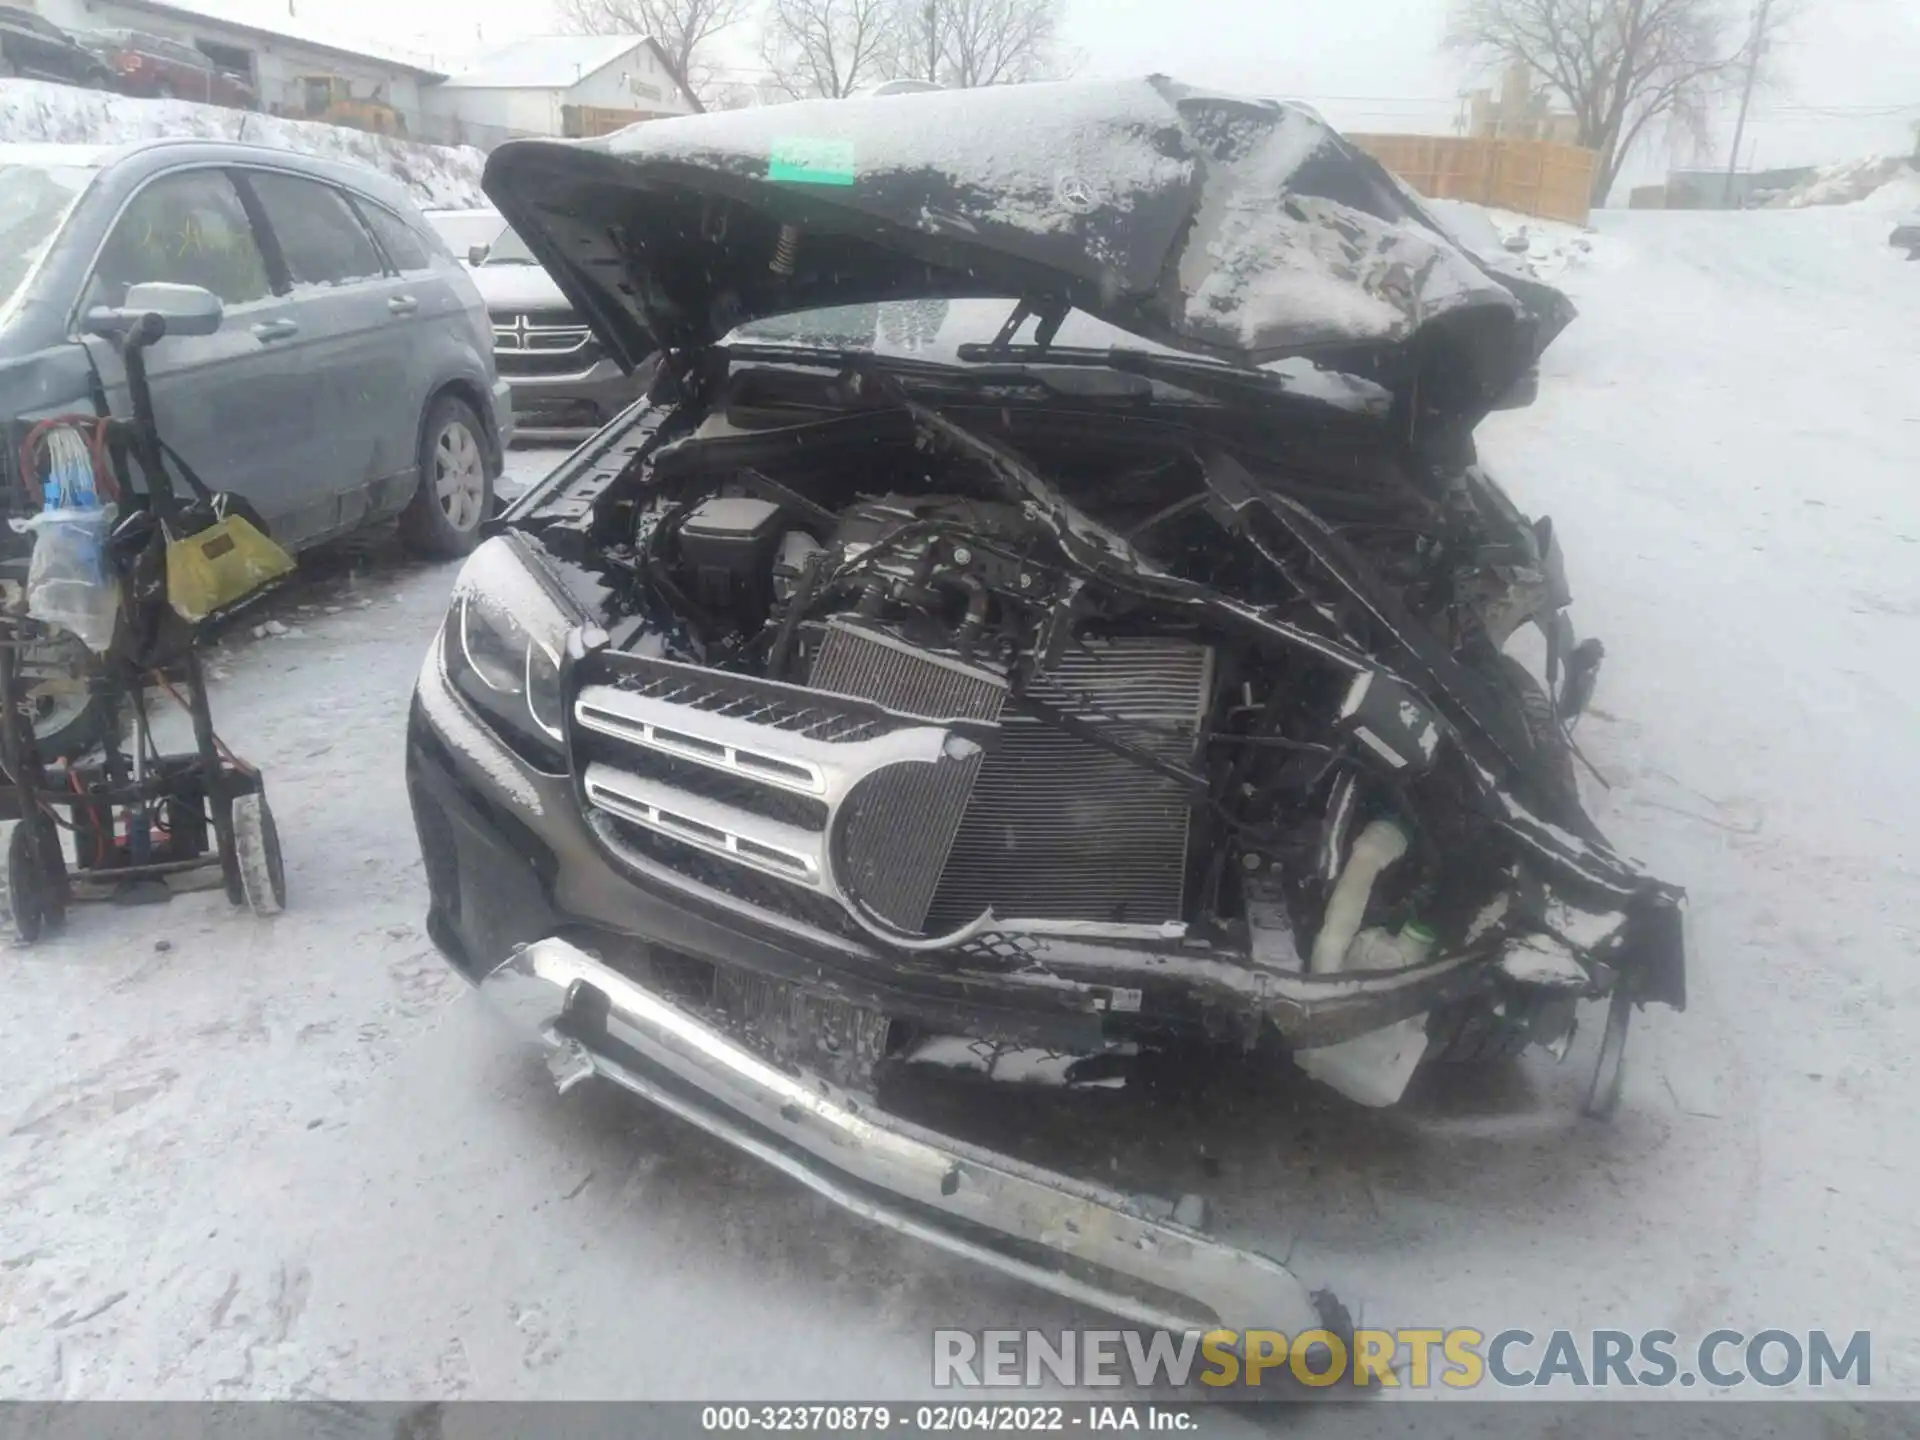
(779, 707)
(542, 343)
(537, 332)
(841, 799)
(894, 844)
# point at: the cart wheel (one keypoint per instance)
(256, 846)
(26, 901)
(53, 870)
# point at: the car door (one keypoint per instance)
(428, 317)
(352, 349)
(234, 404)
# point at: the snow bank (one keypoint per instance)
(1883, 182)
(32, 112)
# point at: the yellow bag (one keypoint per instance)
(218, 566)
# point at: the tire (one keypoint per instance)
(442, 521)
(1554, 770)
(256, 844)
(1472, 1032)
(30, 903)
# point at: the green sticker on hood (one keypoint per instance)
(808, 161)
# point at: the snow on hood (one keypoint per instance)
(1236, 228)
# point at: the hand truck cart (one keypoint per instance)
(138, 819)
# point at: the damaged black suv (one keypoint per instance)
(1046, 610)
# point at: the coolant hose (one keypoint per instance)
(1379, 846)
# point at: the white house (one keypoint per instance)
(527, 87)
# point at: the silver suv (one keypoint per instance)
(352, 378)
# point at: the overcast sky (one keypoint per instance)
(1850, 68)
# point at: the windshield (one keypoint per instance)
(924, 329)
(34, 202)
(464, 229)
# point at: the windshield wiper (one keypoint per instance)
(1215, 379)
(1181, 369)
(1116, 385)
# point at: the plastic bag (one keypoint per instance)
(69, 583)
(212, 568)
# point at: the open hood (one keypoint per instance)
(1243, 230)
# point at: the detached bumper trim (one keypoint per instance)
(1081, 1241)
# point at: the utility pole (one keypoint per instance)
(933, 42)
(1754, 45)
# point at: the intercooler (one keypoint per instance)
(1057, 827)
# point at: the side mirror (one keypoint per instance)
(183, 309)
(477, 255)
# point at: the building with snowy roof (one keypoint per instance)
(561, 85)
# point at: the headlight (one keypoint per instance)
(502, 646)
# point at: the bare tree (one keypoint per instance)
(1621, 65)
(919, 31)
(998, 42)
(681, 28)
(829, 47)
(966, 43)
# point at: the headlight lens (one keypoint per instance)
(504, 636)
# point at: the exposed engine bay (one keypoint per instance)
(995, 685)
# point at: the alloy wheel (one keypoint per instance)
(459, 475)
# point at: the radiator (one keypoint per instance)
(1055, 828)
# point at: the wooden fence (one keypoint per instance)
(1535, 177)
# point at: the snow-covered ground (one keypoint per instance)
(294, 1157)
(32, 111)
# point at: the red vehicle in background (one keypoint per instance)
(163, 69)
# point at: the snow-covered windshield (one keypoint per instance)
(35, 201)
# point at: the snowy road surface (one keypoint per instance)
(292, 1157)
